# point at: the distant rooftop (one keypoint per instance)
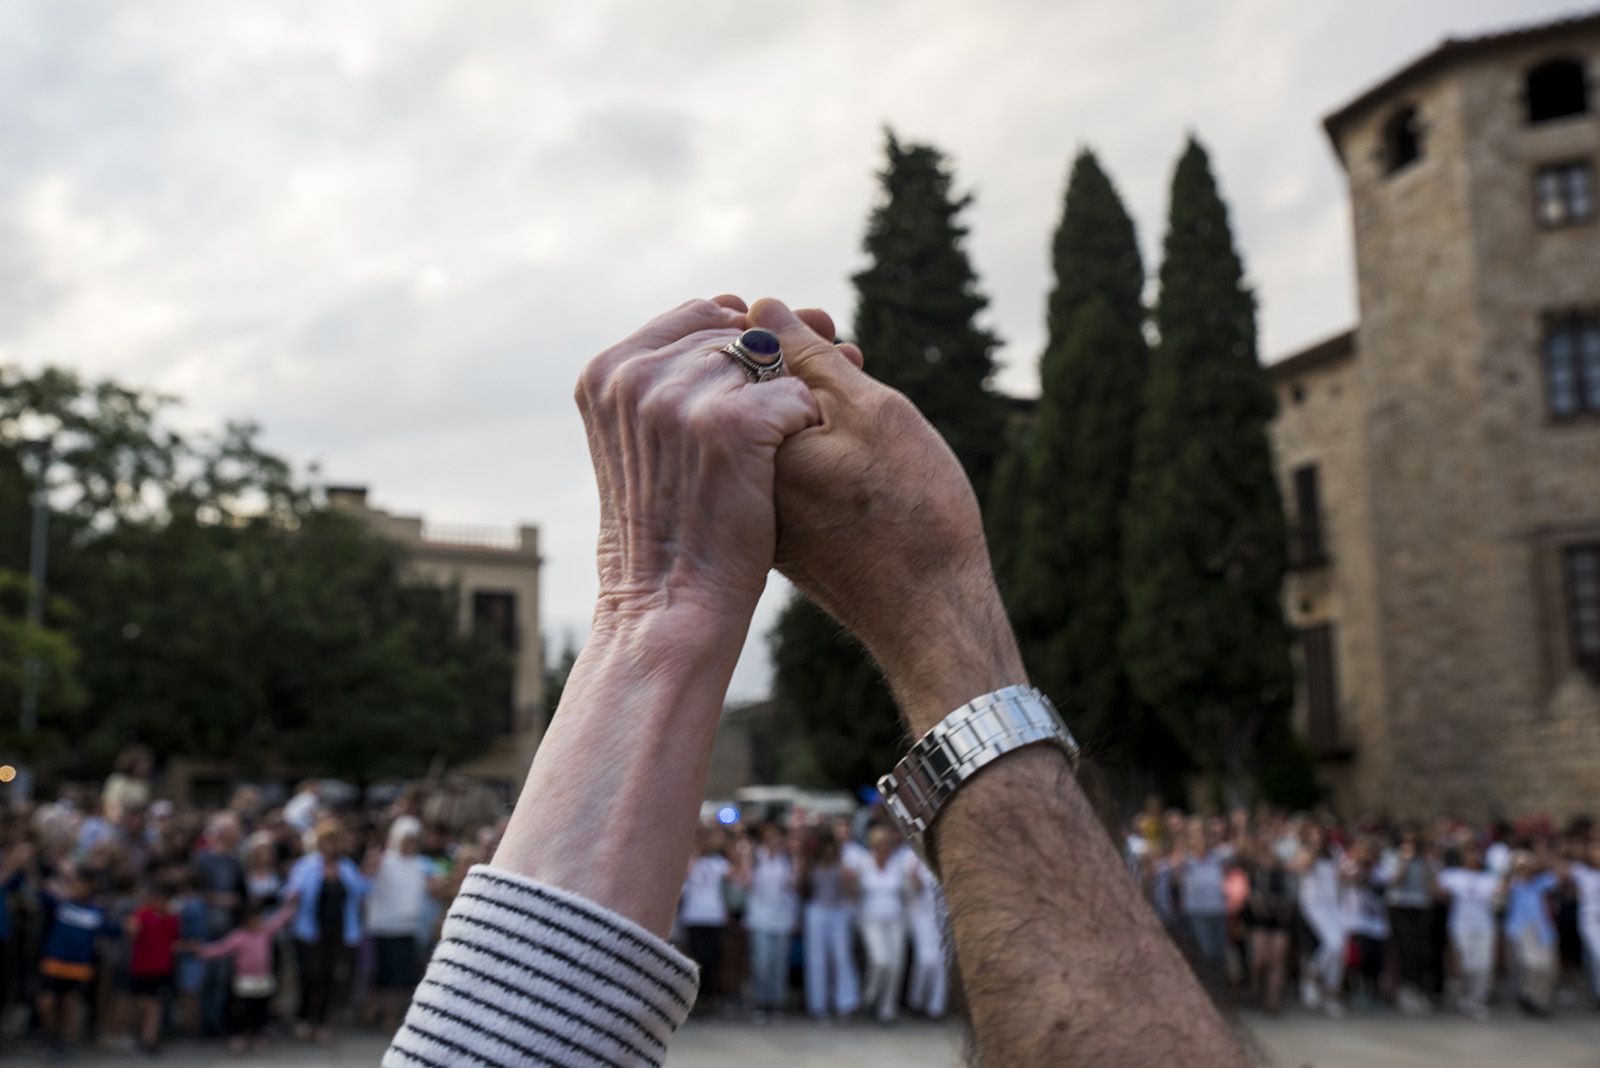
(1329, 350)
(1450, 50)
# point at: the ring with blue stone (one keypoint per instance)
(758, 352)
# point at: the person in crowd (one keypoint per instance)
(67, 961)
(1471, 890)
(263, 878)
(1584, 873)
(153, 930)
(1321, 897)
(1201, 898)
(302, 809)
(704, 910)
(928, 992)
(1268, 916)
(329, 889)
(884, 893)
(770, 916)
(17, 864)
(1409, 897)
(254, 982)
(1368, 921)
(833, 986)
(400, 889)
(219, 877)
(1530, 931)
(194, 926)
(128, 785)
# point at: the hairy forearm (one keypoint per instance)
(1064, 962)
(611, 803)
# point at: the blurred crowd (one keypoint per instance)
(127, 920)
(1419, 916)
(837, 916)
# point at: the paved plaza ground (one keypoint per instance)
(1376, 1041)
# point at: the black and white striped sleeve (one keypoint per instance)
(530, 975)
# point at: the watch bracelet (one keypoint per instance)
(961, 744)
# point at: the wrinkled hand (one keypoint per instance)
(874, 509)
(684, 449)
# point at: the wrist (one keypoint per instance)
(961, 646)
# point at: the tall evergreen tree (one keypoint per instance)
(1205, 542)
(917, 306)
(1065, 583)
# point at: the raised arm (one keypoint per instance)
(1064, 962)
(555, 953)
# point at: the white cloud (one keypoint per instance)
(393, 230)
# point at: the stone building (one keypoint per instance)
(1441, 461)
(497, 576)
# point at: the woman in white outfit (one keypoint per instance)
(929, 989)
(1321, 898)
(832, 983)
(1586, 877)
(1472, 893)
(883, 921)
(770, 914)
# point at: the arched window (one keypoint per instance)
(1557, 88)
(1402, 140)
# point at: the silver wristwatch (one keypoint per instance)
(965, 741)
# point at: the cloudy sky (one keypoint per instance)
(391, 231)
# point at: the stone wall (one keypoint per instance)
(1450, 492)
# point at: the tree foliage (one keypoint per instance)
(1065, 583)
(1204, 641)
(917, 321)
(218, 612)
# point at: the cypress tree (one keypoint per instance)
(1066, 580)
(917, 305)
(1205, 641)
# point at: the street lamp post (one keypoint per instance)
(38, 552)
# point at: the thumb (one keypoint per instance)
(809, 356)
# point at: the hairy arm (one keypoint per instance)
(1063, 960)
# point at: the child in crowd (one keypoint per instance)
(250, 947)
(67, 964)
(154, 930)
(189, 977)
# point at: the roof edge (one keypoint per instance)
(1340, 346)
(1451, 48)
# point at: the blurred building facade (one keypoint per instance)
(1440, 463)
(496, 574)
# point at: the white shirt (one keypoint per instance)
(301, 811)
(883, 890)
(1471, 897)
(703, 902)
(773, 904)
(1587, 880)
(926, 897)
(398, 891)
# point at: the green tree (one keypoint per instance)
(917, 308)
(1205, 641)
(1065, 585)
(218, 611)
(48, 645)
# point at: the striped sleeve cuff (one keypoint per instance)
(527, 974)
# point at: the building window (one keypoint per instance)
(1308, 547)
(1556, 89)
(494, 613)
(1572, 365)
(1564, 193)
(1583, 603)
(1322, 694)
(1402, 140)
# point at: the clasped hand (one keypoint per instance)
(708, 480)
